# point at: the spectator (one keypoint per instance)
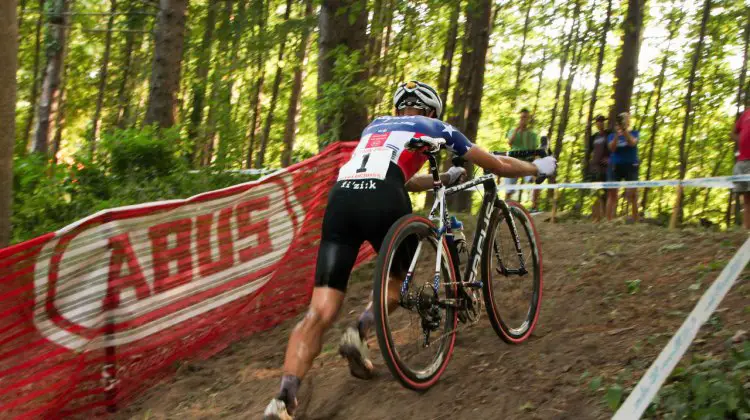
(597, 170)
(741, 135)
(623, 164)
(523, 138)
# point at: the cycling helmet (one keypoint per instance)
(418, 95)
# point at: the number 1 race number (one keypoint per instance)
(367, 164)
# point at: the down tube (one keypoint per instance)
(480, 235)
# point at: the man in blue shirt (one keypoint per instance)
(623, 164)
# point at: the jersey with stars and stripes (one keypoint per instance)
(394, 132)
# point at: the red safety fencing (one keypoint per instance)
(95, 313)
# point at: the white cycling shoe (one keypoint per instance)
(354, 350)
(276, 410)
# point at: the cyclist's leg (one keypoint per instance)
(335, 262)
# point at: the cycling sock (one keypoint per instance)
(288, 391)
(365, 323)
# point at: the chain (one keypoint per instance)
(461, 327)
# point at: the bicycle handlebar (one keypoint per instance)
(518, 154)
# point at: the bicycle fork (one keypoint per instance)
(521, 270)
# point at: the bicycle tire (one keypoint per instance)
(409, 378)
(524, 226)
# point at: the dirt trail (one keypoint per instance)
(596, 320)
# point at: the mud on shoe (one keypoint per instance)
(354, 349)
(276, 410)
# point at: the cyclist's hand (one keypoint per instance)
(546, 166)
(456, 174)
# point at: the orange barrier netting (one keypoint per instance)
(93, 314)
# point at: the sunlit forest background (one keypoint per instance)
(120, 101)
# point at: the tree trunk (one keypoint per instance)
(565, 113)
(274, 95)
(388, 10)
(375, 37)
(342, 34)
(201, 77)
(35, 79)
(255, 105)
(482, 29)
(123, 91)
(8, 67)
(567, 40)
(573, 151)
(217, 104)
(446, 65)
(460, 91)
(677, 212)
(542, 65)
(655, 123)
(102, 79)
(59, 124)
(626, 69)
(467, 96)
(290, 129)
(597, 77)
(57, 20)
(134, 112)
(227, 132)
(21, 12)
(59, 112)
(743, 70)
(519, 62)
(165, 69)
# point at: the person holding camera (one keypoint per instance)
(623, 164)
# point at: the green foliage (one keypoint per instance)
(411, 37)
(634, 286)
(707, 388)
(48, 198)
(344, 89)
(614, 396)
(144, 152)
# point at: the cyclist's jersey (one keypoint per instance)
(383, 142)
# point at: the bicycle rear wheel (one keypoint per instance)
(416, 332)
(513, 296)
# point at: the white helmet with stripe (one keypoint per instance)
(421, 95)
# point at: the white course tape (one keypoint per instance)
(652, 380)
(262, 171)
(712, 182)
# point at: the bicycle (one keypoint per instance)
(437, 306)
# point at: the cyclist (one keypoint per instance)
(368, 197)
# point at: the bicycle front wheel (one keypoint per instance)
(415, 321)
(512, 279)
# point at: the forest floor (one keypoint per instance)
(597, 325)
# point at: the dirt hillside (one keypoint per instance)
(613, 296)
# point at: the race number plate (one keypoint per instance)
(371, 163)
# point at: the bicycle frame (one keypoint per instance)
(439, 215)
